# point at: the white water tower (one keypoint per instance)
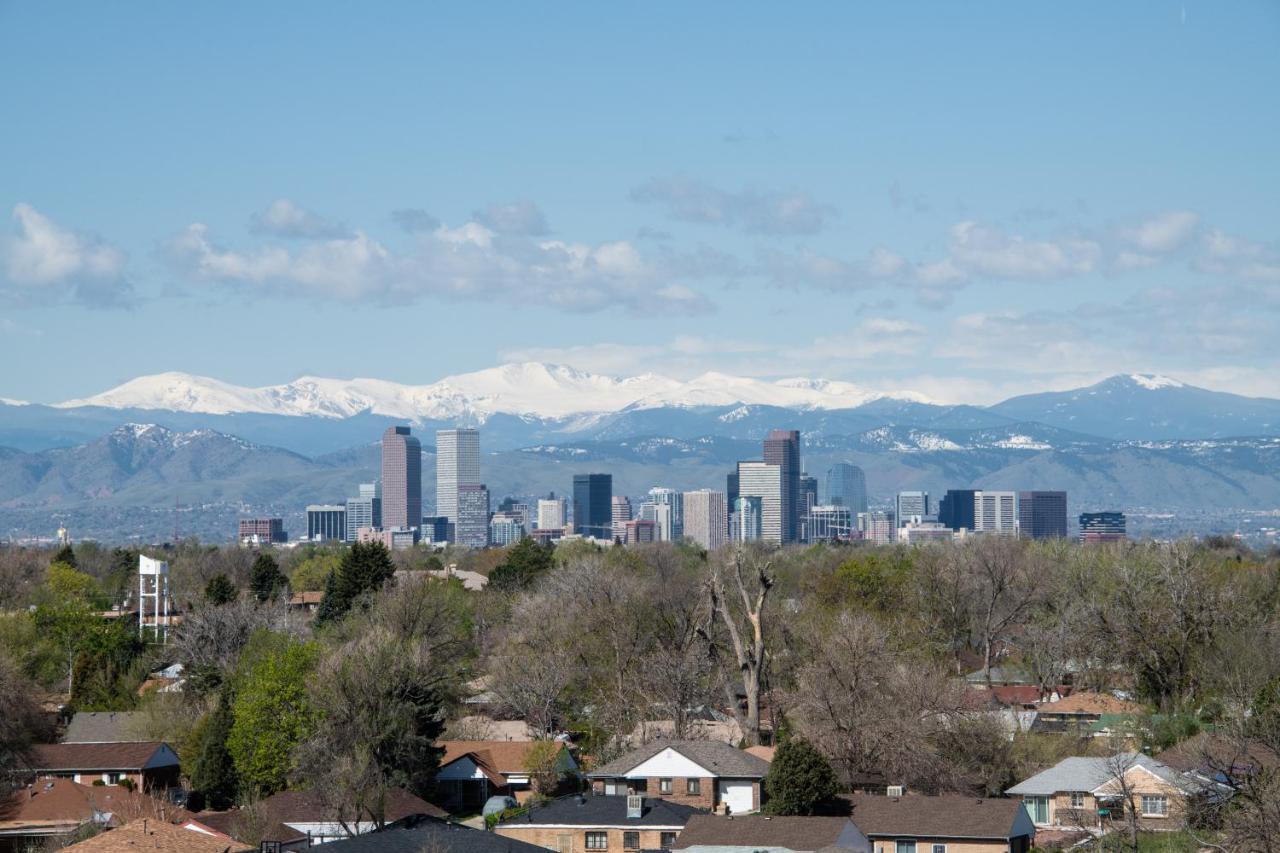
(154, 604)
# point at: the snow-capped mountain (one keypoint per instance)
(527, 389)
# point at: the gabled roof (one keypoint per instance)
(947, 816)
(159, 837)
(1088, 774)
(757, 831)
(598, 810)
(417, 835)
(59, 801)
(718, 758)
(102, 727)
(66, 757)
(501, 757)
(1089, 703)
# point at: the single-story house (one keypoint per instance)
(59, 809)
(945, 824)
(762, 834)
(149, 765)
(590, 823)
(159, 837)
(471, 771)
(705, 774)
(103, 727)
(1077, 713)
(303, 816)
(1086, 793)
(415, 835)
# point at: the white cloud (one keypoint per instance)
(991, 252)
(1225, 254)
(283, 218)
(754, 211)
(520, 217)
(42, 260)
(1162, 233)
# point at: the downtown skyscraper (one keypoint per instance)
(401, 479)
(782, 448)
(457, 464)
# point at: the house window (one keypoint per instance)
(1155, 805)
(905, 847)
(630, 841)
(113, 778)
(1077, 799)
(1037, 809)
(693, 786)
(664, 786)
(597, 841)
(939, 848)
(668, 840)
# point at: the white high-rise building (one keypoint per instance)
(746, 519)
(877, 526)
(995, 512)
(457, 464)
(551, 513)
(706, 519)
(660, 497)
(621, 505)
(764, 480)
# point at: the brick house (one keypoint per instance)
(1087, 793)
(149, 765)
(705, 774)
(601, 824)
(471, 771)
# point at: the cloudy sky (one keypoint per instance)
(967, 200)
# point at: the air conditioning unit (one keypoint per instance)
(894, 790)
(635, 806)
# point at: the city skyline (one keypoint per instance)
(955, 183)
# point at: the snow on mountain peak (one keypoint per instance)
(524, 389)
(1153, 382)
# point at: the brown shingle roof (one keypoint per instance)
(65, 801)
(721, 759)
(502, 756)
(948, 816)
(102, 727)
(1089, 703)
(158, 837)
(756, 831)
(93, 756)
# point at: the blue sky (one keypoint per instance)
(968, 200)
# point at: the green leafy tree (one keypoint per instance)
(800, 779)
(65, 555)
(364, 569)
(271, 712)
(220, 590)
(526, 561)
(311, 574)
(108, 668)
(213, 774)
(265, 578)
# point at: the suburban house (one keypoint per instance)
(590, 823)
(103, 727)
(761, 834)
(299, 819)
(306, 601)
(1087, 793)
(159, 837)
(59, 809)
(1213, 758)
(705, 774)
(149, 765)
(419, 834)
(945, 824)
(472, 771)
(1078, 713)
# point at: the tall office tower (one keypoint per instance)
(911, 506)
(506, 528)
(731, 488)
(664, 524)
(471, 530)
(748, 517)
(435, 528)
(364, 510)
(782, 448)
(955, 510)
(764, 480)
(621, 506)
(262, 531)
(847, 486)
(401, 479)
(995, 512)
(1102, 527)
(592, 505)
(675, 500)
(326, 522)
(1042, 515)
(706, 518)
(551, 513)
(808, 498)
(877, 527)
(457, 464)
(830, 523)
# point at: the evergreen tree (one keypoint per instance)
(363, 570)
(213, 775)
(800, 779)
(220, 590)
(526, 561)
(66, 555)
(265, 578)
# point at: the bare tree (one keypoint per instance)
(743, 621)
(1004, 590)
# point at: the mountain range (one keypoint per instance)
(118, 461)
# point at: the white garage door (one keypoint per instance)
(736, 795)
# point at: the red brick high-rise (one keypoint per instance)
(401, 479)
